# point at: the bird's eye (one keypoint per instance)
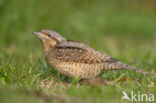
(49, 35)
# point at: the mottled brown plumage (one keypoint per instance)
(76, 59)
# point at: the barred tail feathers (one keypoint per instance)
(121, 66)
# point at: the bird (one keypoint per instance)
(76, 59)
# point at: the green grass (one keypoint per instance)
(123, 29)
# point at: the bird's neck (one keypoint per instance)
(46, 47)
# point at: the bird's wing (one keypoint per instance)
(79, 53)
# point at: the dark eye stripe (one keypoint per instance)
(48, 35)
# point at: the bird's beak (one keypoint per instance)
(39, 35)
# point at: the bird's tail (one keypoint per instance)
(121, 66)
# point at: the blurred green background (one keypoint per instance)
(124, 29)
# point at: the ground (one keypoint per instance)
(124, 29)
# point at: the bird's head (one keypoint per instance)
(49, 38)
